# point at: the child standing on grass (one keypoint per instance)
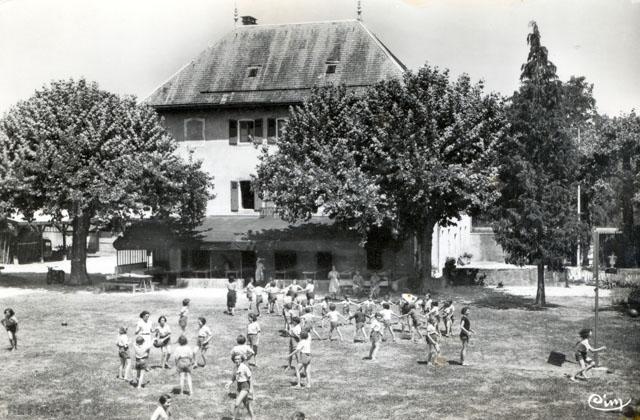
(294, 337)
(387, 319)
(141, 350)
(183, 315)
(376, 335)
(204, 337)
(303, 351)
(123, 354)
(583, 347)
(242, 377)
(309, 321)
(272, 297)
(232, 295)
(432, 341)
(10, 323)
(465, 332)
(185, 358)
(144, 328)
(242, 348)
(309, 290)
(414, 322)
(334, 321)
(162, 412)
(360, 319)
(253, 335)
(163, 341)
(447, 316)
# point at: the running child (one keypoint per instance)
(141, 350)
(309, 290)
(294, 338)
(10, 323)
(334, 321)
(123, 354)
(184, 358)
(204, 337)
(414, 322)
(184, 315)
(287, 310)
(163, 341)
(308, 320)
(253, 335)
(432, 341)
(272, 297)
(583, 347)
(303, 352)
(387, 319)
(465, 333)
(242, 377)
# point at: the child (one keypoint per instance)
(376, 335)
(123, 354)
(232, 296)
(10, 323)
(162, 412)
(301, 298)
(358, 283)
(253, 334)
(414, 323)
(426, 304)
(287, 308)
(163, 341)
(144, 328)
(303, 350)
(294, 337)
(308, 321)
(582, 349)
(434, 313)
(242, 348)
(387, 318)
(242, 376)
(141, 350)
(272, 297)
(251, 293)
(346, 308)
(334, 319)
(259, 290)
(465, 332)
(369, 307)
(309, 289)
(204, 336)
(185, 358)
(447, 316)
(375, 286)
(183, 316)
(360, 319)
(432, 340)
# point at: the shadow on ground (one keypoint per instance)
(39, 281)
(489, 298)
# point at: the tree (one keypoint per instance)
(404, 156)
(535, 218)
(75, 150)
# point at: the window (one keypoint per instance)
(244, 197)
(194, 129)
(275, 129)
(245, 131)
(331, 68)
(252, 71)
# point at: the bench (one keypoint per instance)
(105, 285)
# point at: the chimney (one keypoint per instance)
(249, 20)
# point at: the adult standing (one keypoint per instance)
(144, 328)
(358, 283)
(334, 283)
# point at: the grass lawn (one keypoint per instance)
(69, 372)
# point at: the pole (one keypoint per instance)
(596, 255)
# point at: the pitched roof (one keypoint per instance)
(290, 59)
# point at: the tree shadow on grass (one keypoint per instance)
(39, 281)
(492, 299)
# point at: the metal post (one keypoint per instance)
(596, 257)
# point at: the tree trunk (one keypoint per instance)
(626, 196)
(80, 225)
(540, 296)
(423, 256)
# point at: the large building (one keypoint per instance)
(236, 95)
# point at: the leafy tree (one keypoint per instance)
(403, 156)
(75, 150)
(535, 217)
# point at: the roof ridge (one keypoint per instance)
(295, 23)
(384, 48)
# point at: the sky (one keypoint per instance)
(133, 46)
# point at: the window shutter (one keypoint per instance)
(234, 195)
(233, 133)
(258, 128)
(271, 130)
(257, 201)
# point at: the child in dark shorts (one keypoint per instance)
(432, 341)
(141, 350)
(272, 297)
(582, 350)
(303, 351)
(183, 316)
(360, 318)
(184, 357)
(253, 335)
(375, 335)
(308, 321)
(465, 332)
(123, 353)
(232, 295)
(294, 337)
(414, 322)
(10, 323)
(334, 321)
(204, 337)
(242, 376)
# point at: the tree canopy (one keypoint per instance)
(75, 150)
(535, 216)
(403, 155)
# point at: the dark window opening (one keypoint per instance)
(247, 129)
(246, 195)
(331, 68)
(253, 72)
(285, 260)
